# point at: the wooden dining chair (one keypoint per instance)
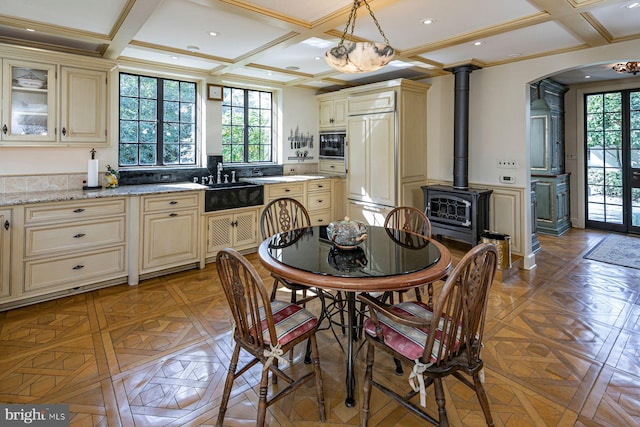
(436, 342)
(282, 215)
(410, 220)
(265, 329)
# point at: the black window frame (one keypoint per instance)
(160, 123)
(227, 102)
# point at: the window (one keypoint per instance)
(157, 121)
(246, 126)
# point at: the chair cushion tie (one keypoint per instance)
(416, 373)
(275, 352)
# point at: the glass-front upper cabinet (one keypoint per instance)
(28, 109)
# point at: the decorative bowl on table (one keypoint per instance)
(346, 234)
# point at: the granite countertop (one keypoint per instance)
(11, 199)
(282, 178)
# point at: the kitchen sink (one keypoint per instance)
(231, 195)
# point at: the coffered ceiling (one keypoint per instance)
(284, 41)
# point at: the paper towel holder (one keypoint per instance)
(93, 187)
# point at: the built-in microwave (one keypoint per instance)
(332, 144)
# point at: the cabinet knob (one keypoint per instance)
(78, 267)
(79, 210)
(173, 202)
(79, 235)
(6, 225)
(173, 214)
(64, 131)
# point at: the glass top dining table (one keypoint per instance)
(387, 260)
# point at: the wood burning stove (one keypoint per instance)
(459, 212)
(462, 214)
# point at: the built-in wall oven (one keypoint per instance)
(332, 144)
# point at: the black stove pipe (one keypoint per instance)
(461, 126)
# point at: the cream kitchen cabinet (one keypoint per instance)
(71, 244)
(386, 146)
(332, 112)
(5, 252)
(83, 105)
(235, 228)
(28, 101)
(294, 190)
(319, 201)
(40, 109)
(332, 167)
(170, 232)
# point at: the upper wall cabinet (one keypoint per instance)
(333, 113)
(28, 102)
(38, 108)
(83, 113)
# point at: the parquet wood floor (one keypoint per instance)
(562, 348)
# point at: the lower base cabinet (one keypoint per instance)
(552, 204)
(235, 228)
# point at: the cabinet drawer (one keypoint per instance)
(286, 190)
(169, 202)
(74, 210)
(376, 102)
(75, 236)
(68, 272)
(319, 185)
(320, 218)
(331, 166)
(318, 201)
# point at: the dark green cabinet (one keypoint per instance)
(547, 158)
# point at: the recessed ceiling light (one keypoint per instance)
(214, 33)
(193, 48)
(174, 57)
(515, 55)
(269, 73)
(587, 77)
(478, 43)
(292, 68)
(633, 5)
(30, 29)
(317, 58)
(428, 21)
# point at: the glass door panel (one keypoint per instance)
(612, 132)
(29, 113)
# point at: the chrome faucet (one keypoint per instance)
(219, 177)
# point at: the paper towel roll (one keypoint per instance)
(92, 176)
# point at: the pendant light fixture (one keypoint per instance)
(359, 57)
(629, 67)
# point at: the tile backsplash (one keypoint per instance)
(52, 182)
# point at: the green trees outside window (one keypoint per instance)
(157, 121)
(246, 126)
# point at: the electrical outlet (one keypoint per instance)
(507, 164)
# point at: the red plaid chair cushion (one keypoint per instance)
(406, 340)
(290, 320)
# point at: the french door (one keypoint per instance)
(612, 147)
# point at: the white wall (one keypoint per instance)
(498, 118)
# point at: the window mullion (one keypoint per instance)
(160, 123)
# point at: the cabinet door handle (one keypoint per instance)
(79, 235)
(4, 129)
(320, 186)
(6, 225)
(173, 202)
(286, 190)
(234, 223)
(64, 131)
(78, 267)
(173, 214)
(79, 210)
(320, 201)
